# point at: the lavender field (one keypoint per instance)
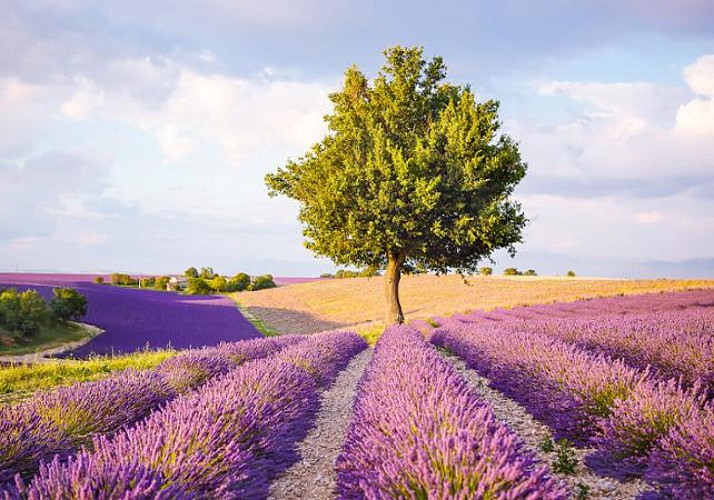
(136, 319)
(627, 381)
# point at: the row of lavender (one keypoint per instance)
(639, 422)
(57, 422)
(420, 431)
(225, 440)
(675, 338)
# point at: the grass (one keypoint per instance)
(18, 382)
(257, 322)
(55, 335)
(357, 303)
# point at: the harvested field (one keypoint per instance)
(330, 304)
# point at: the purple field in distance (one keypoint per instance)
(134, 319)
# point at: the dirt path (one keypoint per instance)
(314, 476)
(533, 433)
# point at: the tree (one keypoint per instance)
(162, 282)
(219, 284)
(207, 273)
(191, 272)
(238, 283)
(263, 282)
(68, 304)
(413, 176)
(197, 286)
(486, 271)
(511, 271)
(571, 274)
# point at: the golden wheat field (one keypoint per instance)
(358, 302)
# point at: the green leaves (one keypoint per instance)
(411, 164)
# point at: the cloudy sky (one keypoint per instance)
(135, 136)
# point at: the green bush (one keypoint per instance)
(23, 313)
(123, 280)
(238, 283)
(67, 304)
(191, 272)
(571, 274)
(207, 273)
(530, 272)
(327, 275)
(511, 271)
(219, 284)
(161, 282)
(198, 286)
(486, 271)
(148, 282)
(99, 280)
(263, 282)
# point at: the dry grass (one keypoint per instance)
(358, 302)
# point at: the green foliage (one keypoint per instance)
(191, 272)
(22, 313)
(511, 271)
(99, 280)
(582, 491)
(413, 170)
(530, 272)
(486, 271)
(547, 445)
(207, 273)
(263, 282)
(67, 304)
(566, 462)
(198, 286)
(571, 274)
(161, 282)
(147, 282)
(345, 273)
(327, 275)
(219, 284)
(20, 381)
(238, 283)
(123, 280)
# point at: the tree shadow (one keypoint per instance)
(285, 321)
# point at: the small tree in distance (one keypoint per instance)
(413, 176)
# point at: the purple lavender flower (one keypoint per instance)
(419, 431)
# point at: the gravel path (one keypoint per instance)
(533, 433)
(314, 476)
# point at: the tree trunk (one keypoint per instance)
(392, 275)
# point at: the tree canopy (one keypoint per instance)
(412, 176)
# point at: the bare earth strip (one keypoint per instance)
(339, 303)
(533, 433)
(314, 476)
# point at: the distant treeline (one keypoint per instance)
(196, 282)
(207, 281)
(23, 314)
(367, 272)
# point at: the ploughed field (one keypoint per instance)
(134, 319)
(467, 409)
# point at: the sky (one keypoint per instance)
(135, 136)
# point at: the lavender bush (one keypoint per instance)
(580, 395)
(61, 420)
(223, 441)
(419, 431)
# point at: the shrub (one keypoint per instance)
(238, 283)
(369, 272)
(530, 272)
(486, 271)
(511, 271)
(327, 275)
(123, 279)
(148, 282)
(219, 284)
(67, 304)
(207, 273)
(162, 282)
(191, 272)
(22, 313)
(198, 286)
(263, 282)
(99, 280)
(571, 274)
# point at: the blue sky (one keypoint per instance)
(135, 135)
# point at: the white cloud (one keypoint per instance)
(649, 217)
